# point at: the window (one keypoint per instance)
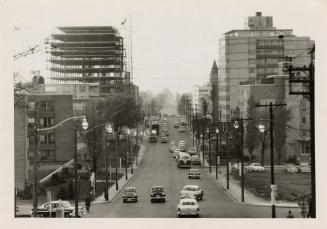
(47, 106)
(48, 155)
(46, 122)
(307, 149)
(47, 138)
(304, 120)
(82, 88)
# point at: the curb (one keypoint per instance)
(128, 181)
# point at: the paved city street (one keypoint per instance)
(159, 168)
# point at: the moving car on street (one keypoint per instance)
(176, 152)
(176, 124)
(172, 144)
(188, 207)
(157, 194)
(163, 139)
(182, 129)
(129, 194)
(192, 191)
(194, 174)
(196, 160)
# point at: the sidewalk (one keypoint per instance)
(122, 181)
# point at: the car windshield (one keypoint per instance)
(157, 189)
(188, 203)
(130, 189)
(189, 188)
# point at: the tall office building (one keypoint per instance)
(251, 55)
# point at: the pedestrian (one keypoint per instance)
(290, 215)
(87, 202)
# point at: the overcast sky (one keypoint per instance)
(174, 42)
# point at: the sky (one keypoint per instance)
(174, 42)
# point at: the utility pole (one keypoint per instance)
(272, 166)
(75, 174)
(35, 161)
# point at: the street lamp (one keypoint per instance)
(110, 131)
(128, 132)
(106, 193)
(236, 126)
(209, 142)
(217, 132)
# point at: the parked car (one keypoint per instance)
(254, 167)
(129, 194)
(192, 151)
(192, 190)
(157, 194)
(188, 207)
(289, 168)
(305, 168)
(194, 174)
(69, 210)
(172, 144)
(163, 139)
(196, 160)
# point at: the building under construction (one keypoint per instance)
(90, 54)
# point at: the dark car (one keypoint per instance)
(130, 194)
(157, 194)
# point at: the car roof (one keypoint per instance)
(191, 186)
(157, 186)
(188, 200)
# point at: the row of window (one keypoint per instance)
(44, 106)
(43, 122)
(45, 155)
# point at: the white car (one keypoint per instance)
(188, 207)
(255, 167)
(194, 173)
(192, 191)
(289, 168)
(69, 210)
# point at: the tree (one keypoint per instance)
(281, 117)
(251, 137)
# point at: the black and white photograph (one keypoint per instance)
(177, 111)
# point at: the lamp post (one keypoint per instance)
(203, 140)
(106, 193)
(217, 132)
(128, 132)
(227, 161)
(236, 126)
(209, 142)
(110, 131)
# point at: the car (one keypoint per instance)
(163, 139)
(289, 168)
(181, 129)
(157, 194)
(173, 149)
(176, 124)
(188, 207)
(69, 210)
(129, 194)
(184, 160)
(254, 167)
(192, 151)
(305, 167)
(194, 173)
(192, 190)
(196, 160)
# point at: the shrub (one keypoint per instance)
(26, 193)
(62, 193)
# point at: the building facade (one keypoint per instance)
(199, 94)
(252, 55)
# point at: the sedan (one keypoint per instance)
(69, 210)
(194, 173)
(188, 207)
(254, 167)
(176, 124)
(192, 191)
(130, 194)
(196, 160)
(157, 194)
(176, 152)
(163, 139)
